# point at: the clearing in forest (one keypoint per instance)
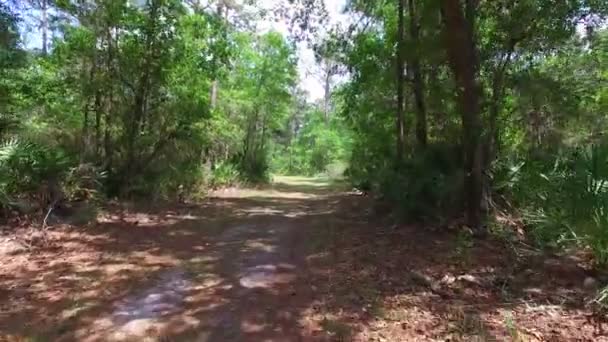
(300, 259)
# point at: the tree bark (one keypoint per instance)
(462, 52)
(400, 135)
(418, 84)
(138, 114)
(85, 133)
(86, 138)
(498, 76)
(215, 83)
(97, 122)
(214, 87)
(327, 94)
(109, 101)
(44, 26)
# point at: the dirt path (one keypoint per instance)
(297, 261)
(232, 269)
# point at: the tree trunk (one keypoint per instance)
(462, 53)
(493, 140)
(85, 133)
(327, 93)
(138, 115)
(97, 122)
(215, 83)
(214, 87)
(400, 84)
(44, 26)
(86, 138)
(109, 101)
(418, 84)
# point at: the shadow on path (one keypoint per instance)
(230, 269)
(299, 260)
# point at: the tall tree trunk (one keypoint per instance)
(86, 138)
(215, 83)
(138, 115)
(214, 88)
(44, 26)
(400, 61)
(98, 114)
(107, 139)
(109, 101)
(462, 53)
(496, 103)
(418, 83)
(327, 93)
(84, 152)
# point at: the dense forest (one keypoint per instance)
(496, 106)
(486, 115)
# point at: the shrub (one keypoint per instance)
(563, 199)
(84, 183)
(429, 185)
(224, 174)
(255, 168)
(24, 166)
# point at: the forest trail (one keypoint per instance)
(230, 269)
(298, 260)
(249, 275)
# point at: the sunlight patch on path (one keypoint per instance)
(266, 276)
(261, 193)
(313, 182)
(162, 299)
(283, 187)
(148, 310)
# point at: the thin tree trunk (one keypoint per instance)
(97, 122)
(139, 112)
(97, 105)
(418, 83)
(214, 87)
(86, 139)
(44, 26)
(109, 102)
(462, 52)
(327, 94)
(493, 143)
(107, 134)
(85, 133)
(215, 83)
(263, 142)
(400, 84)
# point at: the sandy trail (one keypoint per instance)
(230, 269)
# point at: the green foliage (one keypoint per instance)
(541, 103)
(84, 182)
(427, 186)
(122, 104)
(166, 97)
(25, 167)
(320, 146)
(564, 199)
(225, 175)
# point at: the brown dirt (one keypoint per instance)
(299, 261)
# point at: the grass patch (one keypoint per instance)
(339, 331)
